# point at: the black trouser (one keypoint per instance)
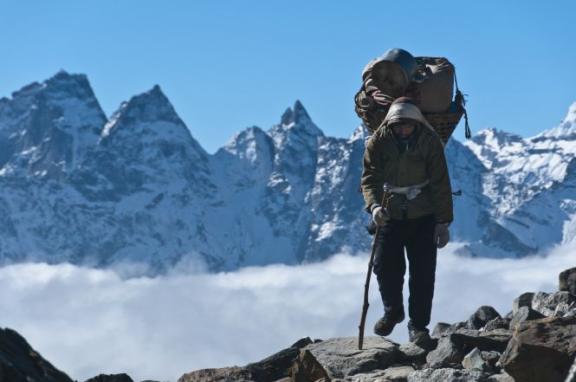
(416, 235)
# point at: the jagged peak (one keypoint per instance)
(295, 114)
(62, 84)
(496, 136)
(298, 117)
(571, 115)
(565, 130)
(150, 106)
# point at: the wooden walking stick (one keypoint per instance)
(385, 201)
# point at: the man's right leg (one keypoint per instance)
(390, 266)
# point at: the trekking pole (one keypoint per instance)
(385, 200)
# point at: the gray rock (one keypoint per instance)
(447, 375)
(412, 354)
(567, 281)
(487, 341)
(111, 378)
(497, 323)
(500, 377)
(223, 374)
(340, 357)
(481, 317)
(449, 352)
(440, 329)
(391, 374)
(474, 360)
(270, 368)
(525, 299)
(547, 304)
(302, 342)
(524, 313)
(491, 358)
(541, 350)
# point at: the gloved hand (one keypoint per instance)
(441, 235)
(380, 216)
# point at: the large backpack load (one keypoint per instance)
(430, 81)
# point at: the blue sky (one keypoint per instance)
(227, 65)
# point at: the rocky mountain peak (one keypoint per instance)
(495, 138)
(148, 107)
(566, 130)
(298, 118)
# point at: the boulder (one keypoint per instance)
(496, 340)
(19, 362)
(497, 323)
(271, 368)
(223, 374)
(440, 329)
(501, 377)
(340, 357)
(474, 360)
(481, 317)
(541, 350)
(449, 352)
(567, 281)
(448, 375)
(111, 378)
(391, 374)
(548, 303)
(524, 313)
(481, 360)
(491, 358)
(412, 354)
(525, 299)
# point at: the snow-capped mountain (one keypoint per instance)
(137, 188)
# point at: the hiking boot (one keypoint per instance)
(385, 325)
(419, 336)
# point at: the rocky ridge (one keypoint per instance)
(534, 342)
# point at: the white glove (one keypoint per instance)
(380, 216)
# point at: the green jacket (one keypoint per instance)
(387, 160)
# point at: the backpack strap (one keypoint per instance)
(461, 101)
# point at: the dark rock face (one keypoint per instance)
(568, 281)
(20, 363)
(111, 378)
(481, 317)
(541, 350)
(271, 368)
(525, 299)
(497, 323)
(525, 313)
(307, 368)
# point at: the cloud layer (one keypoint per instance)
(88, 321)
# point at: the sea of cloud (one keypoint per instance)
(88, 321)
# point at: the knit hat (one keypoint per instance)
(405, 108)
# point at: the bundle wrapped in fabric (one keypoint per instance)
(428, 80)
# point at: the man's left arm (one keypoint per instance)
(440, 188)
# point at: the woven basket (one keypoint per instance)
(445, 123)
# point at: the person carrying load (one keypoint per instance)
(406, 104)
(405, 159)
